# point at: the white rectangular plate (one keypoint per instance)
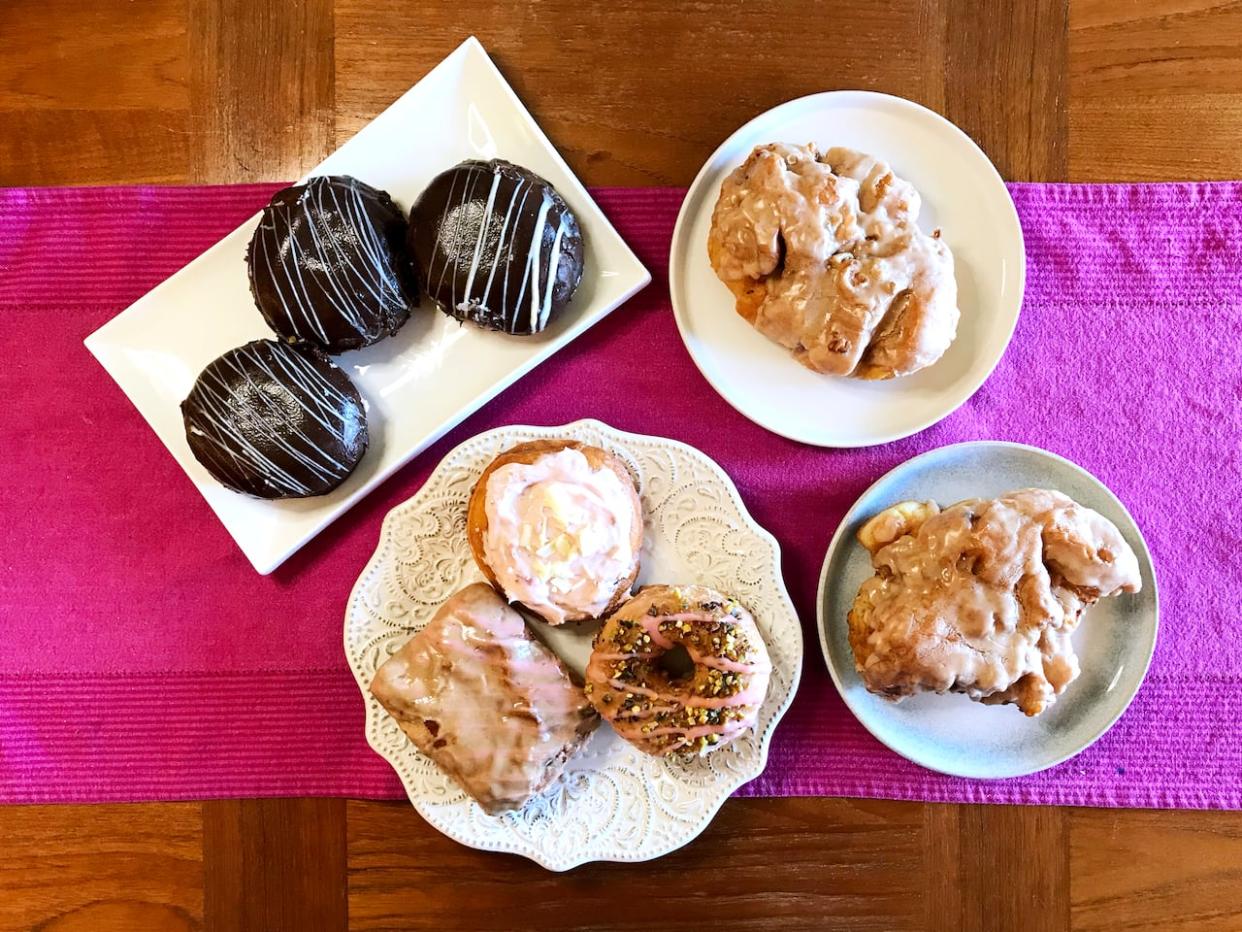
(418, 384)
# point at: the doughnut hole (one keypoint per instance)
(676, 664)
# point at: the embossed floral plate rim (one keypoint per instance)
(460, 818)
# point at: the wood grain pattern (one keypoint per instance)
(1156, 870)
(261, 88)
(92, 147)
(103, 56)
(1157, 90)
(273, 864)
(946, 897)
(638, 93)
(797, 863)
(1005, 82)
(1014, 863)
(90, 93)
(228, 90)
(101, 868)
(763, 863)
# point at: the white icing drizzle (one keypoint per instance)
(556, 258)
(504, 298)
(532, 265)
(496, 243)
(439, 245)
(350, 265)
(510, 214)
(280, 412)
(478, 243)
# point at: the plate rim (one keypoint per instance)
(764, 743)
(838, 537)
(267, 560)
(681, 232)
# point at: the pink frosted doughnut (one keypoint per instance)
(679, 669)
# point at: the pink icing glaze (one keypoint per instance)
(485, 700)
(699, 731)
(559, 534)
(750, 694)
(652, 626)
(662, 715)
(706, 660)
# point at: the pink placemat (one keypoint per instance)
(142, 658)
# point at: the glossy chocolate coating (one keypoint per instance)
(497, 245)
(328, 265)
(275, 421)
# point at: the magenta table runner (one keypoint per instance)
(142, 658)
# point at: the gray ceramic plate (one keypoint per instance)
(951, 733)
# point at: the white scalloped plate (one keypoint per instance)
(613, 803)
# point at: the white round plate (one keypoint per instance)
(962, 194)
(951, 733)
(612, 803)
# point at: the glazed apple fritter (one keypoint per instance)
(824, 255)
(982, 598)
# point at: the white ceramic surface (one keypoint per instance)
(418, 384)
(951, 733)
(962, 194)
(613, 802)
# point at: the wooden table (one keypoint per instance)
(120, 91)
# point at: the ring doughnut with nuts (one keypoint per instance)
(679, 669)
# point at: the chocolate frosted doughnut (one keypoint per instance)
(275, 421)
(495, 244)
(679, 669)
(328, 266)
